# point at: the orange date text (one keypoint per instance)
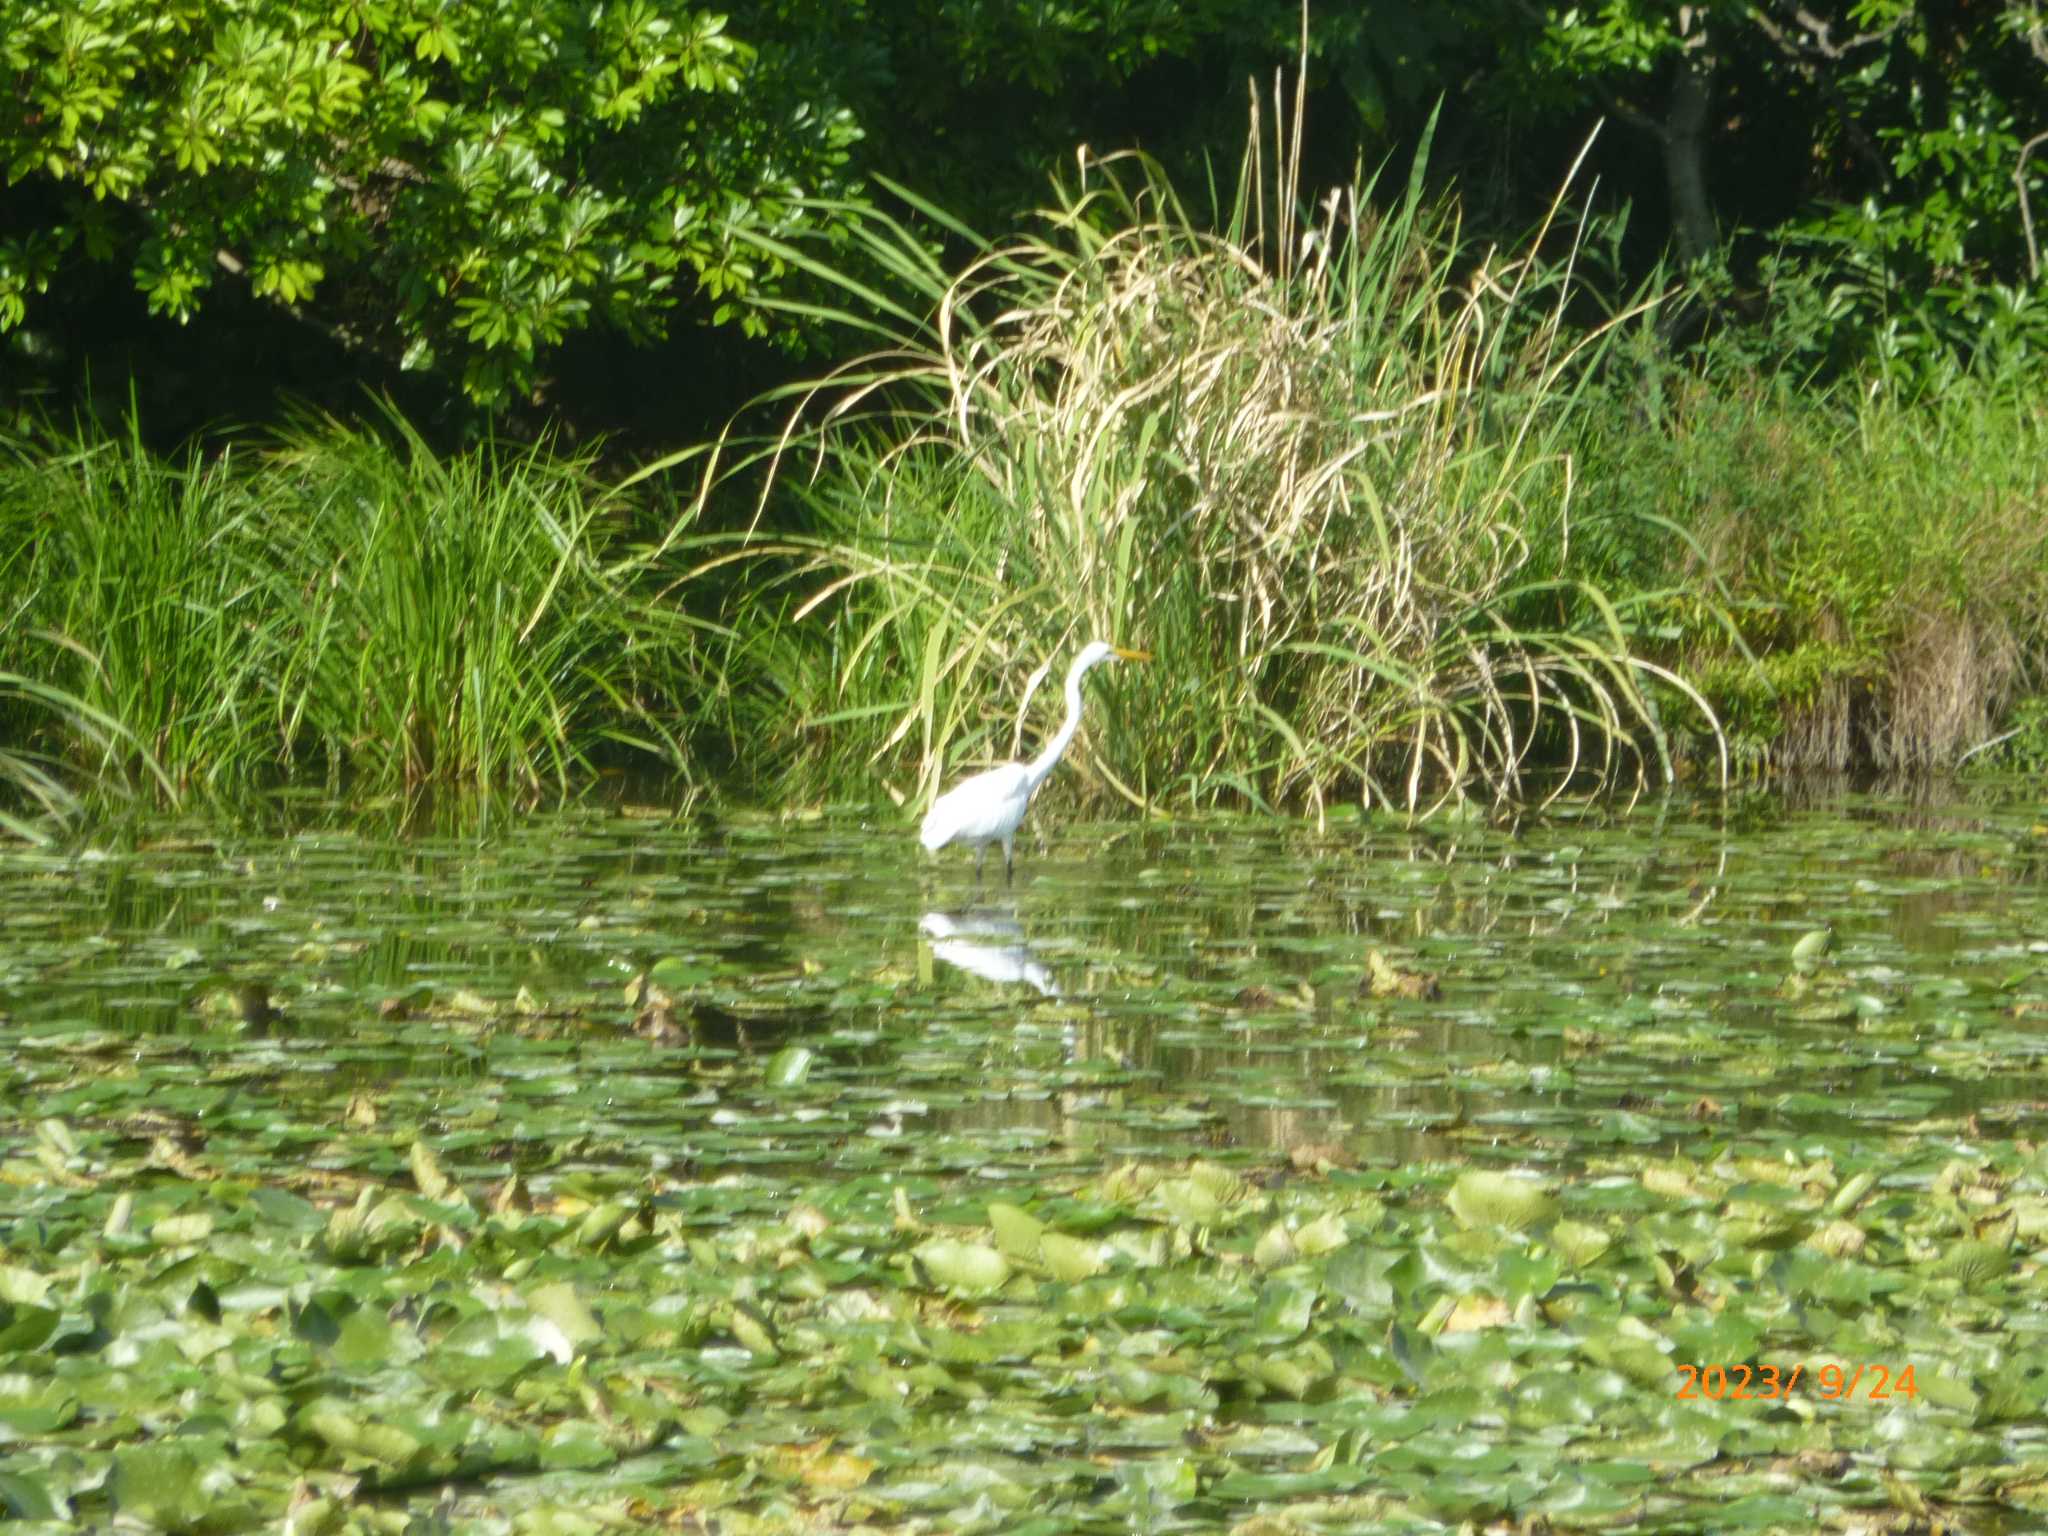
(1830, 1383)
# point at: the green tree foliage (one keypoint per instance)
(975, 102)
(1882, 141)
(459, 185)
(456, 185)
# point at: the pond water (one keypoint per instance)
(1139, 993)
(756, 1034)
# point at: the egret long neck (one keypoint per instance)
(1055, 749)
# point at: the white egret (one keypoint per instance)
(988, 807)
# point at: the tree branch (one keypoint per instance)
(2037, 35)
(2019, 179)
(1800, 50)
(1818, 27)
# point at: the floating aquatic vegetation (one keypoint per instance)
(1605, 1234)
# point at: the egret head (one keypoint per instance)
(1098, 651)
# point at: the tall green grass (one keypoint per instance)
(1880, 560)
(461, 618)
(342, 602)
(143, 596)
(39, 790)
(1317, 459)
(58, 743)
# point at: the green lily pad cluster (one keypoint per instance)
(608, 1176)
(1161, 1345)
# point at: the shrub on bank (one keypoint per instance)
(1872, 566)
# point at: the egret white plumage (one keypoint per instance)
(988, 807)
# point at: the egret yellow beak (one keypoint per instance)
(1132, 655)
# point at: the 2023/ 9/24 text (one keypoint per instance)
(1772, 1383)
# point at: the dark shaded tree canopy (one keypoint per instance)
(527, 205)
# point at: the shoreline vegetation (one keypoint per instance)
(1408, 521)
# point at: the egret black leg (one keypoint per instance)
(1009, 862)
(980, 854)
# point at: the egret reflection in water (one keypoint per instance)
(989, 945)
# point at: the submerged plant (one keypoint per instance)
(1316, 464)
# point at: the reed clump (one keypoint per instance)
(1317, 459)
(342, 603)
